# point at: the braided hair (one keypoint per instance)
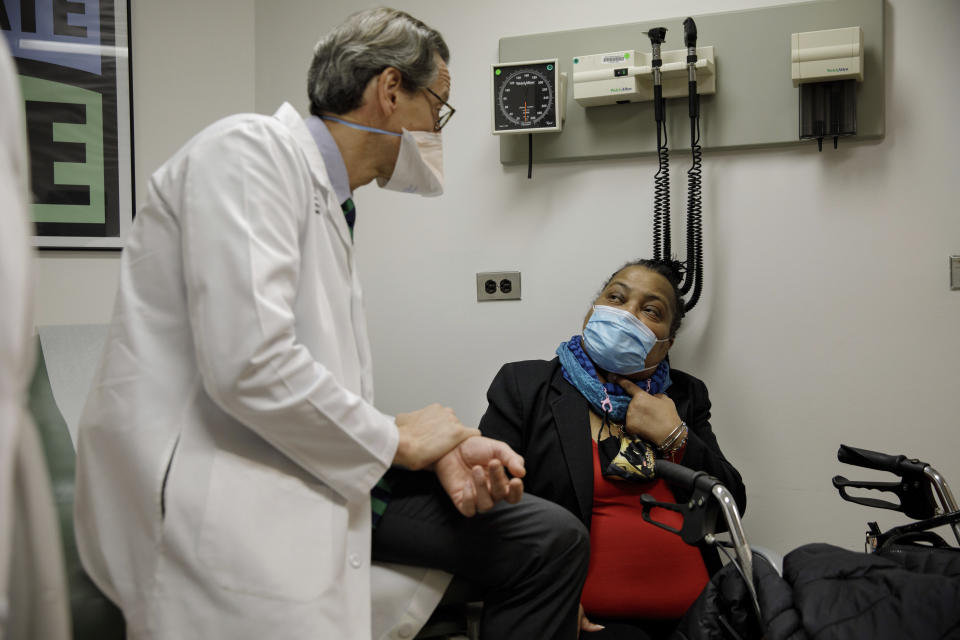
(669, 269)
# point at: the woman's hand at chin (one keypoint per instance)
(652, 417)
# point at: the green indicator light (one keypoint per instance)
(497, 72)
(549, 67)
(626, 56)
(576, 61)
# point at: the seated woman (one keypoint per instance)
(611, 384)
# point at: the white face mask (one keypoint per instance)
(419, 167)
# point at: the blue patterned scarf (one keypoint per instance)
(604, 398)
(626, 457)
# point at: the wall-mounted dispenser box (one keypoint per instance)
(826, 66)
(619, 77)
(835, 54)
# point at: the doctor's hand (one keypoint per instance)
(428, 434)
(474, 475)
(652, 417)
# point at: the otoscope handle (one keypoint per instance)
(900, 465)
(690, 42)
(689, 33)
(657, 35)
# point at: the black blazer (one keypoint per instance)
(546, 420)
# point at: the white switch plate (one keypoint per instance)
(955, 273)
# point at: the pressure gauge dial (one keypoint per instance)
(526, 97)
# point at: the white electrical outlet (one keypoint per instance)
(498, 285)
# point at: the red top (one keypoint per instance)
(638, 570)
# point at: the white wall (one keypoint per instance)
(827, 315)
(192, 64)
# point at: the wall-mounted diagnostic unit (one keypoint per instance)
(753, 105)
(528, 97)
(620, 77)
(826, 66)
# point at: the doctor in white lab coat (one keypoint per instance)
(33, 590)
(229, 444)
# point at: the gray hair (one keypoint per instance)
(369, 41)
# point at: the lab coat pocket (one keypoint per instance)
(265, 533)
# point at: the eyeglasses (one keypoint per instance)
(446, 111)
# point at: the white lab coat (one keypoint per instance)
(229, 443)
(16, 353)
(33, 593)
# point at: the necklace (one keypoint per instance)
(619, 427)
(599, 424)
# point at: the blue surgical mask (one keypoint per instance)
(617, 341)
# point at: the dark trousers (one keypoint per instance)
(630, 630)
(529, 559)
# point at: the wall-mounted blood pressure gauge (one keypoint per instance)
(527, 97)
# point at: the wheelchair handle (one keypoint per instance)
(683, 477)
(840, 484)
(649, 502)
(900, 465)
(703, 487)
(912, 471)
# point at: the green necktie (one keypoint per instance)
(350, 213)
(379, 497)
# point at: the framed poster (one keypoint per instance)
(73, 59)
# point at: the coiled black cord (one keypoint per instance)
(661, 197)
(694, 266)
